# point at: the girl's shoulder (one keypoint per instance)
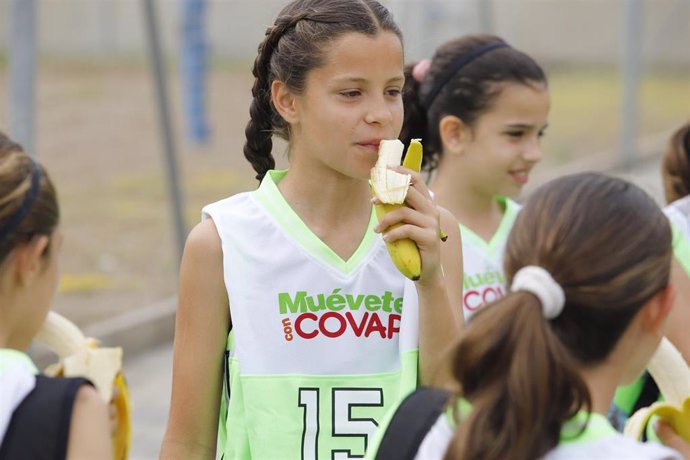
(611, 447)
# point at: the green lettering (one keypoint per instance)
(398, 304)
(372, 302)
(387, 299)
(321, 305)
(354, 302)
(285, 302)
(335, 301)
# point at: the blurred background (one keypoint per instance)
(138, 108)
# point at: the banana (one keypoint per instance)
(81, 356)
(671, 373)
(391, 188)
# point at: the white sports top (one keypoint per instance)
(484, 279)
(679, 213)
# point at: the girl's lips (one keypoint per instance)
(370, 145)
(521, 177)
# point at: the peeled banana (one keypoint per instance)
(672, 375)
(81, 356)
(390, 187)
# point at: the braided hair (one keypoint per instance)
(292, 47)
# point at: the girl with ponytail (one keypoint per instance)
(295, 332)
(588, 305)
(480, 107)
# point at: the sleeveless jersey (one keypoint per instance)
(17, 380)
(320, 347)
(681, 246)
(679, 213)
(484, 278)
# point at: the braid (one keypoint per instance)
(292, 47)
(263, 118)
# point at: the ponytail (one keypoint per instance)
(415, 125)
(522, 382)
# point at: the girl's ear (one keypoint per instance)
(29, 260)
(656, 311)
(284, 101)
(454, 134)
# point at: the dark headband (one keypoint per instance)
(459, 63)
(28, 202)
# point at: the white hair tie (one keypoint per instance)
(540, 283)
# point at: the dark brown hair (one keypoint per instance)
(675, 169)
(519, 370)
(292, 47)
(467, 94)
(41, 216)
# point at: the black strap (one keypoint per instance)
(39, 428)
(411, 422)
(648, 395)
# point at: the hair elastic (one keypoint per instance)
(28, 202)
(539, 282)
(459, 63)
(420, 69)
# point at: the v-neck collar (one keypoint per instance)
(510, 210)
(270, 197)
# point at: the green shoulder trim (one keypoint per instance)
(510, 212)
(627, 395)
(583, 427)
(586, 427)
(270, 198)
(9, 357)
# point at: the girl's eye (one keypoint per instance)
(542, 134)
(394, 92)
(515, 134)
(350, 94)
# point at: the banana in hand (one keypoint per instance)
(390, 187)
(672, 375)
(82, 357)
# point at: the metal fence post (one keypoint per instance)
(160, 81)
(22, 73)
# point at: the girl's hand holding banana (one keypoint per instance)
(411, 230)
(672, 374)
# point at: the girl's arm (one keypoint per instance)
(201, 329)
(89, 430)
(440, 303)
(440, 309)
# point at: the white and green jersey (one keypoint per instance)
(598, 441)
(679, 213)
(482, 262)
(679, 217)
(17, 379)
(321, 347)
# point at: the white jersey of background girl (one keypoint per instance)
(484, 279)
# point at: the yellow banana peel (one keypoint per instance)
(672, 375)
(391, 188)
(83, 357)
